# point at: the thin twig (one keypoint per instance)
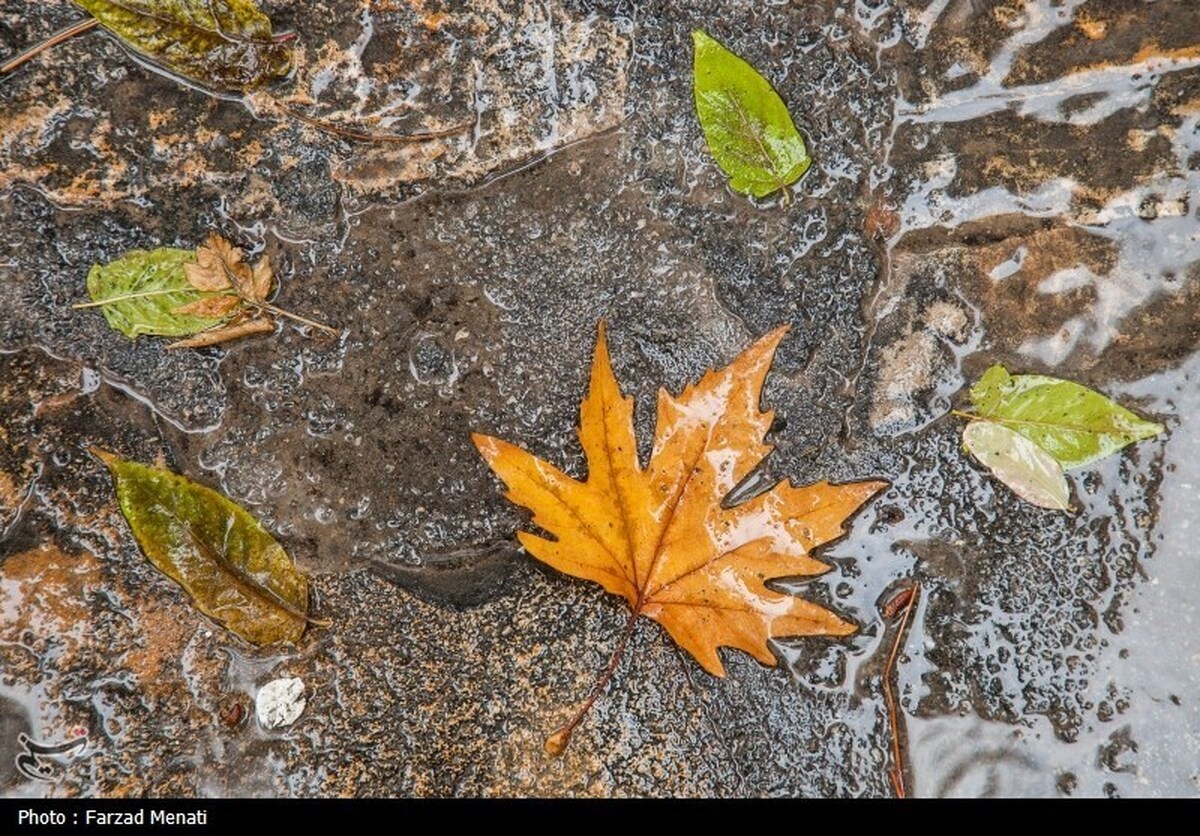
(77, 28)
(365, 136)
(557, 743)
(236, 283)
(896, 772)
(302, 320)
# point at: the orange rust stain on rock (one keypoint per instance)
(1047, 252)
(31, 127)
(257, 198)
(432, 20)
(1152, 51)
(46, 589)
(164, 145)
(206, 136)
(381, 169)
(1151, 54)
(1008, 15)
(252, 153)
(158, 118)
(24, 132)
(163, 633)
(10, 496)
(1092, 29)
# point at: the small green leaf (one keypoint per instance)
(748, 128)
(231, 566)
(1031, 472)
(141, 292)
(1074, 424)
(222, 44)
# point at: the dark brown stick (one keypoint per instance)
(364, 136)
(557, 743)
(896, 771)
(58, 37)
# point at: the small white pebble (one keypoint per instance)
(279, 703)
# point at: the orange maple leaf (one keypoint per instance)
(660, 537)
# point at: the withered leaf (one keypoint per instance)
(261, 277)
(221, 44)
(212, 306)
(220, 265)
(232, 567)
(208, 272)
(659, 536)
(225, 333)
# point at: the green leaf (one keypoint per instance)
(1031, 472)
(1072, 423)
(140, 291)
(222, 44)
(231, 566)
(747, 126)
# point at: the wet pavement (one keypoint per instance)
(1014, 181)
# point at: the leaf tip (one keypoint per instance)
(768, 342)
(874, 486)
(557, 743)
(486, 445)
(109, 459)
(843, 628)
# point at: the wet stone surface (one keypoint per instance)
(1012, 182)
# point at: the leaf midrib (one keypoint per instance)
(1050, 426)
(242, 579)
(757, 139)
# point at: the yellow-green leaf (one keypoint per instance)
(232, 567)
(222, 44)
(746, 124)
(1072, 423)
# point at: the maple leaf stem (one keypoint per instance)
(896, 771)
(557, 743)
(58, 37)
(296, 317)
(970, 416)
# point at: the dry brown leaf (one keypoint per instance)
(659, 536)
(209, 272)
(220, 265)
(261, 276)
(210, 306)
(215, 336)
